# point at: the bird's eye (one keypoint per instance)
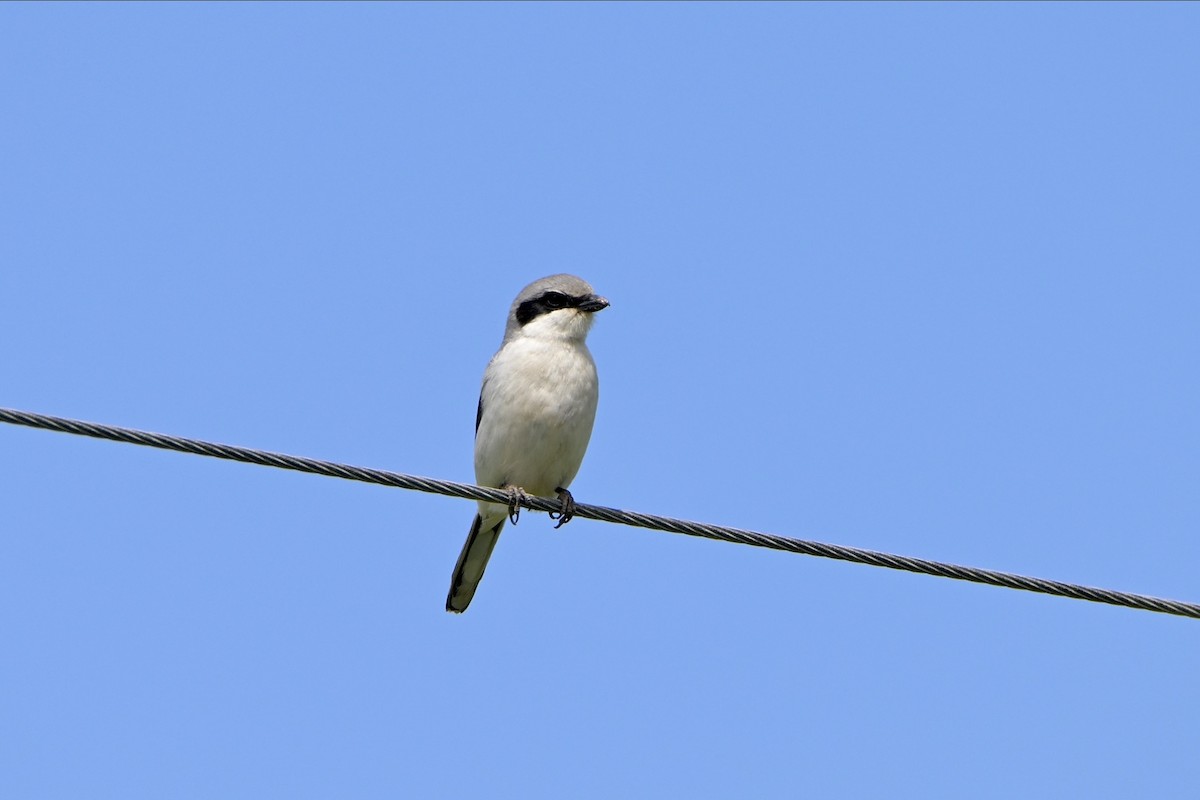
(554, 300)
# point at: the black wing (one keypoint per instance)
(479, 413)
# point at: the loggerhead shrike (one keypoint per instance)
(535, 415)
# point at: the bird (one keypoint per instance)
(536, 409)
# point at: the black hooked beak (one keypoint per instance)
(593, 303)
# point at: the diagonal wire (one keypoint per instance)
(651, 521)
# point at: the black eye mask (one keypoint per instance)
(544, 303)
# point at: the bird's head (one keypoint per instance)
(557, 307)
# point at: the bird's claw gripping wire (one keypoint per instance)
(516, 499)
(567, 511)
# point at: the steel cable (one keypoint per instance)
(601, 513)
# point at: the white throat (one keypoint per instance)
(566, 325)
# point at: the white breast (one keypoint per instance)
(539, 403)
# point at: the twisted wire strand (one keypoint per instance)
(602, 513)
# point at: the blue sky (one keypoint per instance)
(918, 278)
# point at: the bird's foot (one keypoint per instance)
(516, 499)
(567, 511)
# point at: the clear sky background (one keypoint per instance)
(918, 278)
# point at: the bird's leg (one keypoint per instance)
(516, 499)
(567, 511)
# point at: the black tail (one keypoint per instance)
(472, 561)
